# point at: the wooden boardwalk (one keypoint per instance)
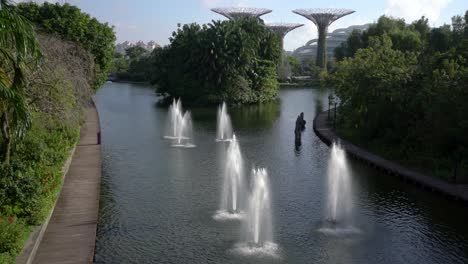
(71, 234)
(328, 136)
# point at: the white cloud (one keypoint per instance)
(412, 10)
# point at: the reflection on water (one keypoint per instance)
(257, 115)
(157, 202)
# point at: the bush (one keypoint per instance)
(13, 234)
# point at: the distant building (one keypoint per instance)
(121, 47)
(334, 39)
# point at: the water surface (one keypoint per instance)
(157, 202)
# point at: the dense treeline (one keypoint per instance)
(404, 93)
(70, 23)
(234, 61)
(45, 83)
(135, 65)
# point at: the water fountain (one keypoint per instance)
(233, 184)
(258, 227)
(339, 187)
(180, 126)
(259, 212)
(224, 125)
(339, 200)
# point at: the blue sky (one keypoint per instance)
(156, 19)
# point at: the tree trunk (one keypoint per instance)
(6, 136)
(322, 47)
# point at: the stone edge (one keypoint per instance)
(328, 136)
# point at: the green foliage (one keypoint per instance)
(13, 234)
(404, 94)
(233, 61)
(135, 66)
(135, 52)
(52, 97)
(284, 71)
(18, 51)
(404, 38)
(295, 66)
(72, 24)
(372, 80)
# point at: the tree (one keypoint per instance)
(421, 26)
(135, 52)
(440, 39)
(405, 93)
(224, 60)
(350, 47)
(373, 84)
(284, 68)
(72, 24)
(18, 50)
(310, 68)
(295, 66)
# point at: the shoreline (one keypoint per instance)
(328, 136)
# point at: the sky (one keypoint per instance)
(147, 20)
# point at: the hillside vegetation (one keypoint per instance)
(46, 82)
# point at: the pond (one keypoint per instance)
(157, 202)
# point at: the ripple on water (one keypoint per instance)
(222, 215)
(268, 249)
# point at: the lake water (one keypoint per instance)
(157, 202)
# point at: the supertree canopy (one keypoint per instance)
(234, 13)
(281, 29)
(322, 18)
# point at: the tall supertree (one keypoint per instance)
(234, 13)
(322, 18)
(281, 29)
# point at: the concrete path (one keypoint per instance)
(328, 135)
(71, 234)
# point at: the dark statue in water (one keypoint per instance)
(300, 126)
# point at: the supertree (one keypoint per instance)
(322, 18)
(234, 13)
(281, 29)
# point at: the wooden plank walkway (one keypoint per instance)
(328, 136)
(71, 234)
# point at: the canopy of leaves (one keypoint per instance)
(233, 61)
(18, 51)
(406, 86)
(71, 23)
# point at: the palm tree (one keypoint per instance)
(18, 50)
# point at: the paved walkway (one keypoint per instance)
(327, 135)
(71, 234)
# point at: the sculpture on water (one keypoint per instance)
(300, 126)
